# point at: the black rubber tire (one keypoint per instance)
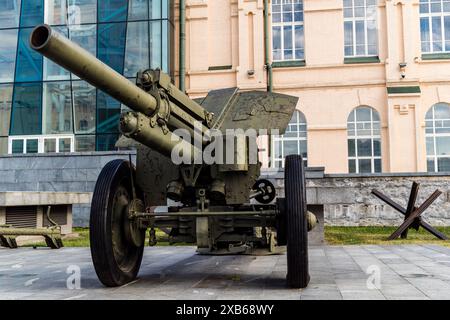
(114, 177)
(296, 223)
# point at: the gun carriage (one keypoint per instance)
(221, 206)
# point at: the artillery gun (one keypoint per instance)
(219, 205)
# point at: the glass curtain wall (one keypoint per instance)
(40, 99)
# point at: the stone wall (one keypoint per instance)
(75, 172)
(347, 199)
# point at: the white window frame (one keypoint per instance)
(435, 157)
(430, 15)
(372, 137)
(292, 24)
(41, 142)
(281, 139)
(364, 19)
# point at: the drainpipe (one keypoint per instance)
(268, 65)
(182, 54)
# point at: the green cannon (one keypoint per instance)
(197, 171)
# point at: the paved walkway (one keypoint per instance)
(350, 272)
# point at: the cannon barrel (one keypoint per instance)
(179, 112)
(70, 56)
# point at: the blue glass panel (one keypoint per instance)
(165, 9)
(17, 146)
(111, 45)
(32, 13)
(106, 142)
(32, 145)
(8, 46)
(9, 13)
(56, 12)
(57, 106)
(5, 108)
(84, 143)
(84, 107)
(26, 110)
(155, 44)
(137, 10)
(52, 71)
(108, 113)
(165, 46)
(155, 9)
(29, 62)
(111, 50)
(112, 10)
(82, 11)
(137, 55)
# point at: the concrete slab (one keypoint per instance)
(350, 273)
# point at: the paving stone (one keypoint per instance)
(407, 272)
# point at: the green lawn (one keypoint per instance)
(379, 235)
(333, 236)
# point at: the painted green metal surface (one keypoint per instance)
(403, 90)
(358, 60)
(289, 64)
(218, 68)
(436, 56)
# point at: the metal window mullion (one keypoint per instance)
(442, 28)
(354, 39)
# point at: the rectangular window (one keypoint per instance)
(41, 144)
(360, 28)
(287, 30)
(435, 26)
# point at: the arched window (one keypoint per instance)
(292, 142)
(364, 141)
(438, 138)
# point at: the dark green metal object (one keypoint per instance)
(359, 60)
(436, 56)
(217, 202)
(289, 64)
(403, 90)
(52, 235)
(218, 68)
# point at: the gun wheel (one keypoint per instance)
(296, 223)
(116, 259)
